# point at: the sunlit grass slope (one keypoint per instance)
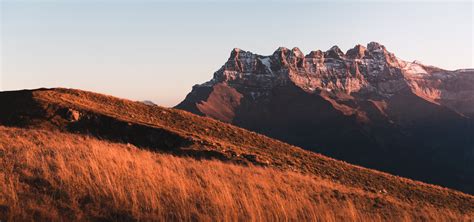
(58, 176)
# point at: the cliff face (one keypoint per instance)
(362, 73)
(365, 106)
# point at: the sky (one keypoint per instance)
(157, 50)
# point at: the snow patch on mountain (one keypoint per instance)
(266, 61)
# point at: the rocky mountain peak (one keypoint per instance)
(378, 52)
(358, 52)
(237, 53)
(297, 52)
(287, 58)
(366, 91)
(280, 52)
(234, 53)
(375, 46)
(318, 54)
(334, 52)
(236, 50)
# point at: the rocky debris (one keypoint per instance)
(74, 115)
(71, 115)
(255, 159)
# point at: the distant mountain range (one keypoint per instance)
(365, 106)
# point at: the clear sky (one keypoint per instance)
(157, 50)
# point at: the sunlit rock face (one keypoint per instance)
(365, 106)
(371, 71)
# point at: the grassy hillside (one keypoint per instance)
(58, 176)
(76, 154)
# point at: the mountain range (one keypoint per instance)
(366, 106)
(328, 136)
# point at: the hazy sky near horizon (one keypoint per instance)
(157, 50)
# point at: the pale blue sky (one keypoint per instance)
(157, 50)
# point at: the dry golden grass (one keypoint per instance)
(55, 176)
(182, 133)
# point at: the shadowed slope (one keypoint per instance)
(366, 107)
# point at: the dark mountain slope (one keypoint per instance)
(366, 107)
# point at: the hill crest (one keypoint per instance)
(181, 133)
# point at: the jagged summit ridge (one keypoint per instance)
(360, 68)
(372, 47)
(369, 70)
(246, 61)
